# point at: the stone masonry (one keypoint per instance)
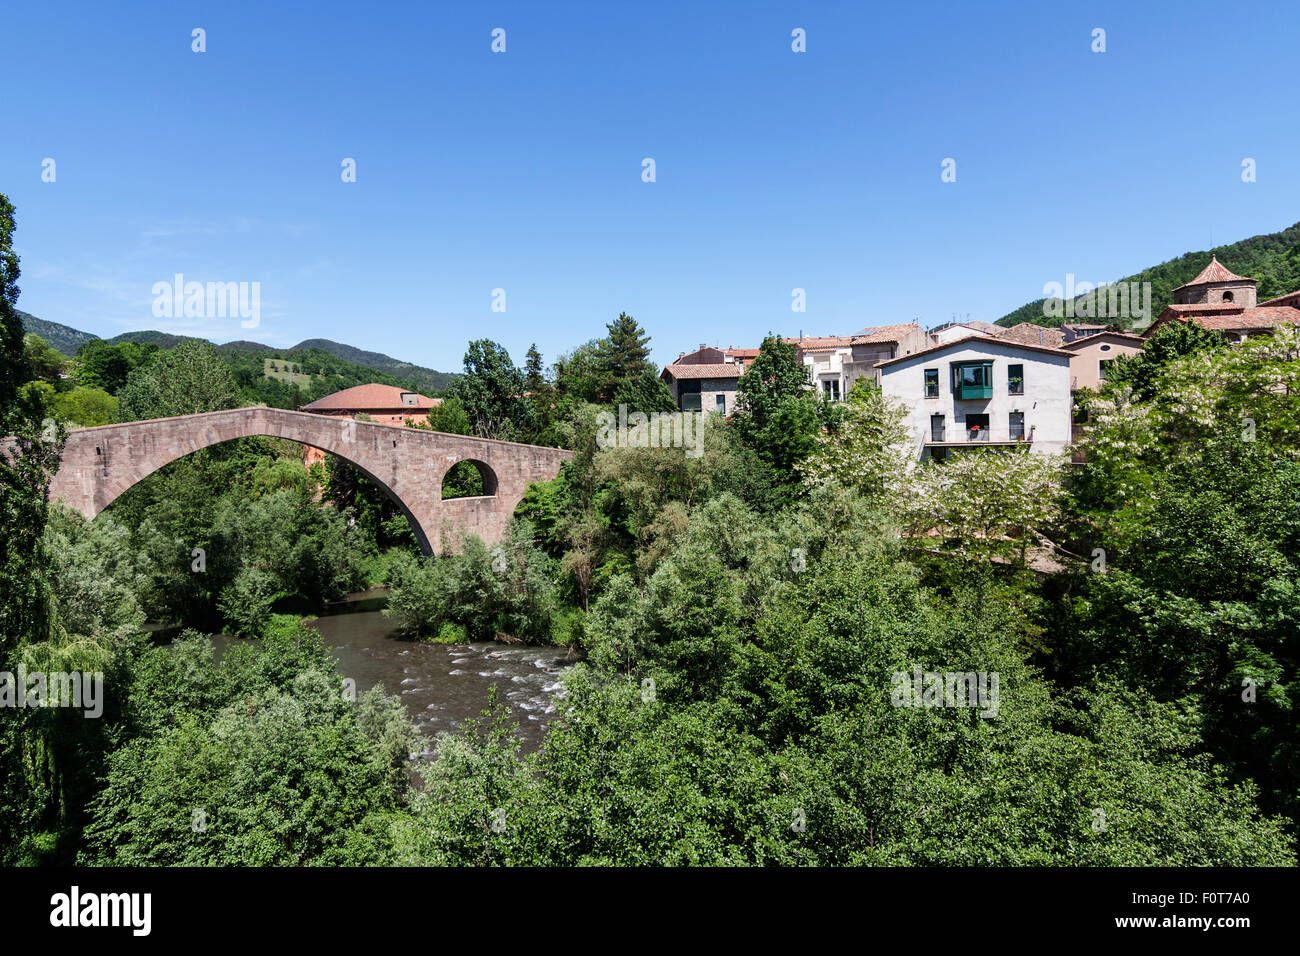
(98, 464)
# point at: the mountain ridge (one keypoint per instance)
(67, 340)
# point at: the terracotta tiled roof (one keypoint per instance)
(1227, 319)
(1204, 307)
(1291, 298)
(1215, 272)
(725, 370)
(1257, 318)
(868, 336)
(369, 397)
(819, 343)
(990, 339)
(1031, 334)
(885, 333)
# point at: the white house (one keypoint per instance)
(982, 390)
(952, 331)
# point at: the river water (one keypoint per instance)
(441, 685)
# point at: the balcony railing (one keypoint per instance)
(978, 436)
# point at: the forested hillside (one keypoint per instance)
(62, 338)
(345, 361)
(1273, 260)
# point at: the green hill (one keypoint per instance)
(61, 338)
(1273, 260)
(424, 378)
(350, 362)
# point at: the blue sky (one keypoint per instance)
(522, 170)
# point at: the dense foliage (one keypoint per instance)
(756, 626)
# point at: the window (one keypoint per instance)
(972, 379)
(977, 428)
(721, 403)
(932, 383)
(936, 427)
(1015, 379)
(1103, 367)
(831, 388)
(1016, 426)
(691, 402)
(1227, 297)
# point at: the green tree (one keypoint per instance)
(12, 370)
(86, 406)
(492, 392)
(451, 417)
(185, 380)
(1138, 372)
(624, 354)
(42, 361)
(104, 366)
(281, 768)
(868, 451)
(534, 377)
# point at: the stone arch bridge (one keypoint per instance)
(98, 464)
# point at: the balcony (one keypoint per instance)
(972, 380)
(965, 437)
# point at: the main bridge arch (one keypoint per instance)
(99, 464)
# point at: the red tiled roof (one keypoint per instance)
(1257, 318)
(819, 343)
(724, 370)
(1215, 272)
(370, 397)
(1227, 319)
(1205, 307)
(992, 339)
(868, 336)
(1291, 298)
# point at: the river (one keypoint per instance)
(441, 685)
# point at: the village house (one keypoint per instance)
(382, 404)
(836, 362)
(1092, 355)
(705, 380)
(982, 390)
(1079, 330)
(1223, 301)
(952, 331)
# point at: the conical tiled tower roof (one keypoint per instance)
(1215, 272)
